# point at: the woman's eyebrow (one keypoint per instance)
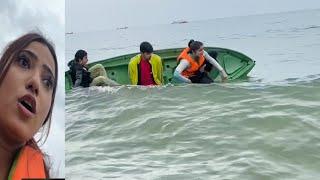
(47, 69)
(34, 56)
(30, 53)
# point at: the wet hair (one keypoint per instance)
(146, 47)
(80, 54)
(189, 43)
(194, 45)
(10, 54)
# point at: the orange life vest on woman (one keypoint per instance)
(194, 65)
(28, 164)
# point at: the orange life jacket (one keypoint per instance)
(194, 65)
(28, 164)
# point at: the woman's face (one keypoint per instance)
(199, 52)
(26, 93)
(84, 60)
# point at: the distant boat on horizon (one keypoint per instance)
(125, 27)
(179, 22)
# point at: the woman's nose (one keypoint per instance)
(33, 84)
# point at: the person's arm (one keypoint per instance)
(132, 73)
(161, 73)
(217, 65)
(78, 77)
(184, 64)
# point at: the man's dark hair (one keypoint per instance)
(146, 47)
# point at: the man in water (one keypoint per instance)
(146, 68)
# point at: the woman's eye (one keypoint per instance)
(48, 83)
(24, 62)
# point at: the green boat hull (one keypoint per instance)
(236, 65)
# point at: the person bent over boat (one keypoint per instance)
(82, 76)
(146, 68)
(195, 65)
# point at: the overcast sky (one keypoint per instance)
(18, 17)
(89, 15)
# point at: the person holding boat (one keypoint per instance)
(84, 77)
(146, 68)
(195, 64)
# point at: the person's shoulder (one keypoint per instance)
(206, 54)
(135, 59)
(77, 66)
(71, 63)
(184, 61)
(156, 57)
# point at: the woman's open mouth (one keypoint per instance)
(27, 105)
